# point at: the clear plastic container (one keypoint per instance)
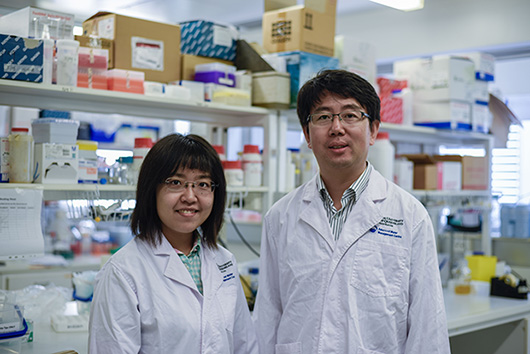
(67, 61)
(20, 156)
(13, 327)
(54, 130)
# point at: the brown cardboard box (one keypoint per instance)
(475, 169)
(309, 27)
(151, 47)
(100, 43)
(425, 171)
(188, 62)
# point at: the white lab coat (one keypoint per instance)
(145, 301)
(375, 290)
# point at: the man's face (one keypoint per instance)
(339, 147)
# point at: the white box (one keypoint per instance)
(179, 92)
(32, 22)
(357, 56)
(481, 91)
(484, 65)
(54, 130)
(87, 171)
(449, 175)
(227, 95)
(439, 78)
(196, 89)
(56, 163)
(404, 173)
(480, 117)
(271, 89)
(443, 115)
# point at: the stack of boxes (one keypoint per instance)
(303, 36)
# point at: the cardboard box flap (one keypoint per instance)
(503, 117)
(248, 59)
(271, 5)
(324, 6)
(420, 159)
(99, 14)
(456, 158)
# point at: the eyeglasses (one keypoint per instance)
(351, 117)
(200, 187)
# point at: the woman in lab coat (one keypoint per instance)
(172, 289)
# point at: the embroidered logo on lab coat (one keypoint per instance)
(224, 268)
(387, 227)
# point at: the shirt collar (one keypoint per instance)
(354, 191)
(196, 246)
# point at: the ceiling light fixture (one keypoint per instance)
(403, 5)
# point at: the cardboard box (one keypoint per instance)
(454, 115)
(302, 66)
(475, 169)
(440, 78)
(449, 175)
(56, 163)
(21, 58)
(141, 45)
(32, 22)
(309, 27)
(425, 174)
(271, 89)
(98, 43)
(208, 39)
(188, 63)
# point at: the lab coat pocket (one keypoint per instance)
(379, 268)
(289, 348)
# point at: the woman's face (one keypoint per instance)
(183, 211)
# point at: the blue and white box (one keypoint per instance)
(208, 39)
(303, 66)
(21, 58)
(484, 65)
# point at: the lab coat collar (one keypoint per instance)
(174, 268)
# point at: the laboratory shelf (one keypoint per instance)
(43, 96)
(101, 191)
(443, 194)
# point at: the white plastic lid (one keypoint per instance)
(54, 121)
(215, 67)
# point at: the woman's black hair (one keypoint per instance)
(341, 83)
(164, 159)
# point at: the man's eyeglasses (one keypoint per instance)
(199, 187)
(350, 117)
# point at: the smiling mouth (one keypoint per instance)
(187, 212)
(337, 146)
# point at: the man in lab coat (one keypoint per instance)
(348, 260)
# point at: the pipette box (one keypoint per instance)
(21, 58)
(126, 80)
(33, 22)
(54, 130)
(216, 73)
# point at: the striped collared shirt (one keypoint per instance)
(192, 261)
(337, 218)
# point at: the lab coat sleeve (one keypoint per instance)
(427, 325)
(245, 340)
(268, 309)
(114, 316)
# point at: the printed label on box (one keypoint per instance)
(222, 36)
(106, 28)
(147, 54)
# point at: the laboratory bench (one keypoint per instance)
(476, 324)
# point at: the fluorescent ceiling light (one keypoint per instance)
(404, 5)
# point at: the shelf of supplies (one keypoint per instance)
(43, 96)
(427, 135)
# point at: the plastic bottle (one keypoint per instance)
(252, 166)
(462, 275)
(67, 62)
(233, 173)
(20, 156)
(220, 151)
(381, 155)
(254, 276)
(141, 148)
(125, 171)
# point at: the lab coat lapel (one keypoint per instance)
(173, 267)
(211, 275)
(313, 213)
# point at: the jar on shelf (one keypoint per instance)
(252, 166)
(381, 155)
(126, 174)
(233, 173)
(20, 156)
(141, 148)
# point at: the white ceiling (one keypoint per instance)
(236, 12)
